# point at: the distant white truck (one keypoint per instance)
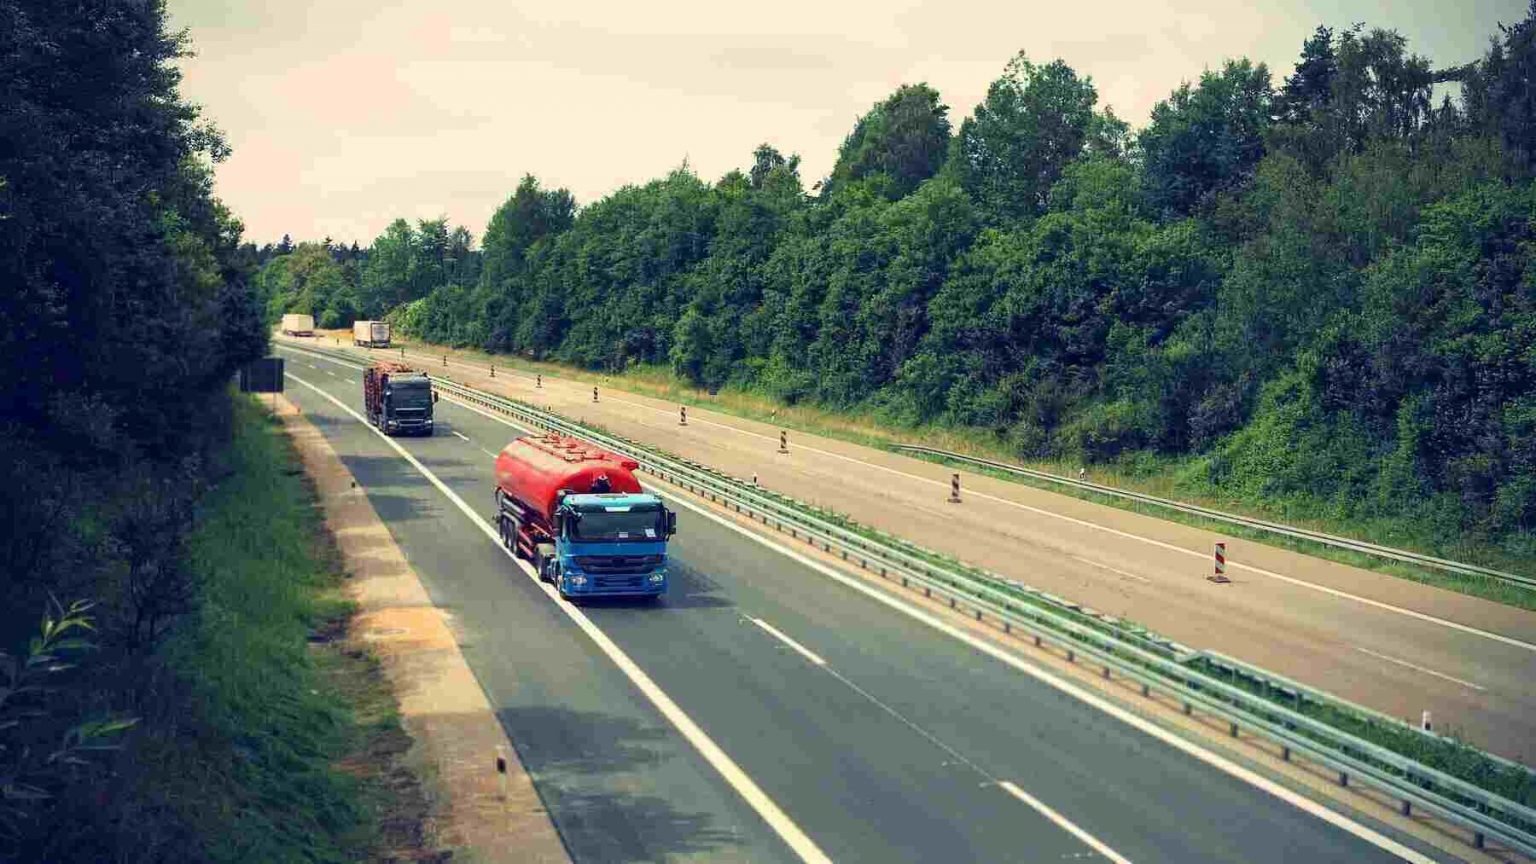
(370, 334)
(298, 325)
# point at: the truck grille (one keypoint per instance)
(617, 565)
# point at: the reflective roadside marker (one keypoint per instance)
(445, 359)
(594, 394)
(783, 441)
(1221, 564)
(493, 370)
(954, 488)
(538, 380)
(682, 415)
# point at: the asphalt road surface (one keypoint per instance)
(878, 737)
(1397, 646)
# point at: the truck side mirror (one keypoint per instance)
(671, 523)
(434, 395)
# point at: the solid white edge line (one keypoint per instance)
(1194, 553)
(796, 839)
(1417, 668)
(779, 635)
(1137, 722)
(1063, 822)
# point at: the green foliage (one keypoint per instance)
(43, 750)
(235, 760)
(1206, 139)
(1033, 123)
(1232, 294)
(905, 139)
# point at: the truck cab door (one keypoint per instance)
(671, 522)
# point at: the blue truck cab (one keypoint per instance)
(611, 544)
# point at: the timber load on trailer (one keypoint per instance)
(398, 399)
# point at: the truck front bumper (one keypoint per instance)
(577, 584)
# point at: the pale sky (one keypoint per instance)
(346, 114)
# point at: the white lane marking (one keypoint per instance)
(1418, 668)
(1498, 637)
(1110, 569)
(1137, 722)
(460, 434)
(1064, 823)
(1301, 583)
(332, 374)
(796, 839)
(487, 452)
(779, 635)
(1209, 757)
(1012, 788)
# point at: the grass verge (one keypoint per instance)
(279, 742)
(1157, 477)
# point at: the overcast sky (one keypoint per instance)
(348, 113)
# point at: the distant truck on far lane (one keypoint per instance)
(298, 325)
(398, 398)
(370, 334)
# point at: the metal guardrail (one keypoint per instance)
(1402, 555)
(1138, 656)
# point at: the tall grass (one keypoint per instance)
(256, 754)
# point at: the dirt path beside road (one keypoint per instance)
(456, 733)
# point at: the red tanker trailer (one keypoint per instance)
(579, 514)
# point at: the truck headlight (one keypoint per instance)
(578, 579)
(658, 577)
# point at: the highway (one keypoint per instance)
(876, 736)
(1394, 645)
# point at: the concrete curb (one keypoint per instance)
(442, 705)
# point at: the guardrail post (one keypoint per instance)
(783, 441)
(1407, 807)
(1220, 576)
(1477, 839)
(682, 415)
(954, 488)
(1424, 721)
(1343, 778)
(754, 478)
(402, 353)
(1285, 754)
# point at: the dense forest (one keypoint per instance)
(125, 308)
(1316, 287)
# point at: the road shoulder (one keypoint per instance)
(457, 739)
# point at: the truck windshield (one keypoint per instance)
(411, 394)
(617, 527)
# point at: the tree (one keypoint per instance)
(390, 278)
(1206, 139)
(1500, 92)
(904, 138)
(531, 214)
(1033, 123)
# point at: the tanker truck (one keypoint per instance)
(581, 518)
(398, 398)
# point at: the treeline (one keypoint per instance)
(1315, 291)
(339, 284)
(124, 311)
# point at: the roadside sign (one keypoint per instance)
(262, 376)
